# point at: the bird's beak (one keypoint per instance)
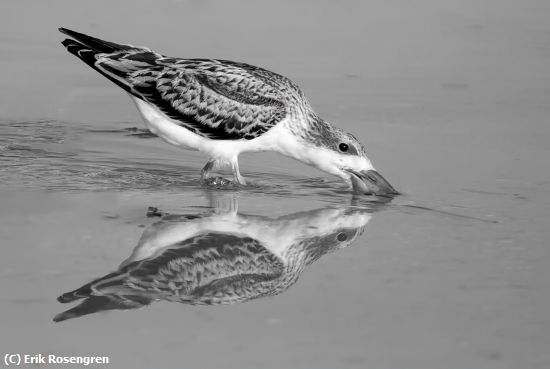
(370, 182)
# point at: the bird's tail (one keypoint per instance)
(88, 289)
(105, 293)
(87, 49)
(94, 44)
(94, 304)
(114, 61)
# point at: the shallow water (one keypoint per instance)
(452, 104)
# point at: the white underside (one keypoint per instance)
(276, 139)
(226, 152)
(276, 235)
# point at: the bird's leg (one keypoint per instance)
(236, 174)
(224, 203)
(205, 172)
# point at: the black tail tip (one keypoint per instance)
(64, 299)
(65, 30)
(71, 296)
(68, 42)
(61, 317)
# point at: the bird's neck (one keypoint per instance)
(305, 140)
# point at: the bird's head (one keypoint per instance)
(337, 152)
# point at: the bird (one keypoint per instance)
(224, 108)
(220, 257)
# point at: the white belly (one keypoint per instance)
(170, 131)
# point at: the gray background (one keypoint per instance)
(450, 98)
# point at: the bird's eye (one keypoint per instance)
(341, 237)
(343, 147)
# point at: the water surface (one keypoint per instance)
(452, 104)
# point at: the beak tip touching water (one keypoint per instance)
(370, 182)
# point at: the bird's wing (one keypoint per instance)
(211, 98)
(210, 268)
(217, 99)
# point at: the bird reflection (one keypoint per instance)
(219, 257)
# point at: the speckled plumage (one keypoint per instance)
(209, 268)
(224, 108)
(218, 259)
(217, 99)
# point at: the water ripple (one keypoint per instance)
(48, 154)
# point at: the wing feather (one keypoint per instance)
(215, 99)
(219, 99)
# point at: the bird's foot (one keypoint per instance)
(219, 182)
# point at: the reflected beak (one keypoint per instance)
(370, 182)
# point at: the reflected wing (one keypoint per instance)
(211, 268)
